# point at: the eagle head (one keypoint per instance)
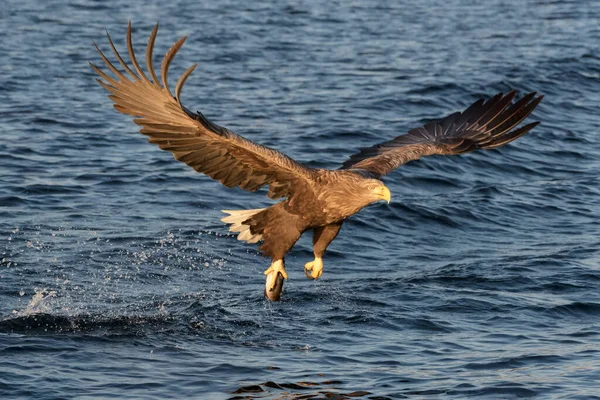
(377, 191)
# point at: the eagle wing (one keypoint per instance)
(484, 125)
(193, 139)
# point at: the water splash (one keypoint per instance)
(39, 303)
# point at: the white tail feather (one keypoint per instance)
(236, 219)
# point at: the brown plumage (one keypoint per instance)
(314, 199)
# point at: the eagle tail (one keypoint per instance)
(237, 219)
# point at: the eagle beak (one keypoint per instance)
(384, 193)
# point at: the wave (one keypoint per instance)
(102, 325)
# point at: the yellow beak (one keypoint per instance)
(385, 193)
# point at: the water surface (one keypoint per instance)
(480, 279)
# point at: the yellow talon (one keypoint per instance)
(274, 283)
(314, 269)
(277, 266)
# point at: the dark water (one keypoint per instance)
(481, 279)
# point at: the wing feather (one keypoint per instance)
(483, 125)
(191, 137)
(132, 57)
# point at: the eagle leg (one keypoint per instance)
(274, 284)
(322, 237)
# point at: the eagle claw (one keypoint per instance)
(274, 284)
(314, 269)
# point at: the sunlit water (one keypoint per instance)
(481, 279)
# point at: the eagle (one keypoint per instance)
(312, 199)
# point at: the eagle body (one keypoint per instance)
(328, 199)
(310, 199)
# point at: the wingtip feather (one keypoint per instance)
(164, 70)
(149, 50)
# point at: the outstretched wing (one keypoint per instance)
(482, 126)
(193, 139)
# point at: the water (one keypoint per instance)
(481, 279)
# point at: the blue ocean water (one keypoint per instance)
(481, 279)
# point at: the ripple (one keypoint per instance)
(300, 390)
